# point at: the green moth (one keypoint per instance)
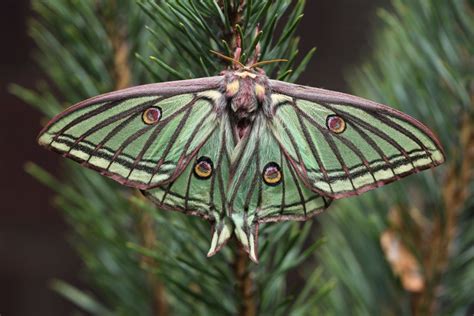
(240, 149)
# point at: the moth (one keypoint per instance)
(240, 149)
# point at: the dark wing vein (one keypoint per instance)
(282, 184)
(188, 187)
(376, 131)
(403, 131)
(186, 146)
(84, 117)
(332, 144)
(216, 173)
(374, 145)
(135, 111)
(127, 142)
(220, 179)
(298, 188)
(257, 175)
(151, 139)
(312, 146)
(173, 138)
(111, 134)
(234, 167)
(347, 142)
(167, 191)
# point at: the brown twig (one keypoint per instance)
(245, 283)
(235, 17)
(147, 230)
(117, 34)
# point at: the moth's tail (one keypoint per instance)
(222, 231)
(246, 233)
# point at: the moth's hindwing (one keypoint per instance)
(342, 145)
(201, 188)
(140, 137)
(264, 187)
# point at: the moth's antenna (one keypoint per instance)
(265, 62)
(228, 58)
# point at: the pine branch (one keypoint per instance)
(245, 283)
(233, 14)
(147, 229)
(117, 34)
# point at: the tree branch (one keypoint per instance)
(147, 230)
(117, 34)
(245, 283)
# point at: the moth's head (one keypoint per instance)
(245, 88)
(246, 72)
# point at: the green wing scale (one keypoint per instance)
(240, 149)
